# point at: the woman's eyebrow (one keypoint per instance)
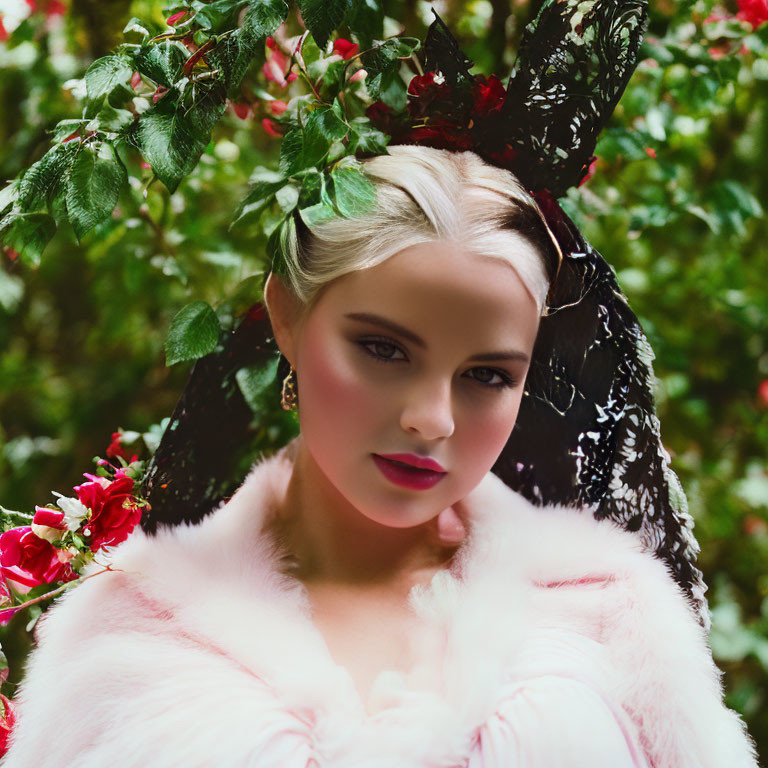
(367, 317)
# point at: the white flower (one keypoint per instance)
(439, 78)
(74, 511)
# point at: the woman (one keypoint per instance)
(373, 595)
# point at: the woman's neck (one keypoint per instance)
(332, 541)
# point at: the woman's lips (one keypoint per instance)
(407, 477)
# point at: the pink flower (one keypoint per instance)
(270, 126)
(135, 81)
(277, 107)
(754, 12)
(30, 560)
(276, 64)
(159, 93)
(3, 31)
(7, 721)
(52, 518)
(5, 599)
(114, 512)
(345, 48)
(242, 109)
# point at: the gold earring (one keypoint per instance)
(289, 396)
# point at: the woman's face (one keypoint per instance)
(424, 354)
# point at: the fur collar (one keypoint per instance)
(532, 592)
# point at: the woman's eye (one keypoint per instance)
(382, 350)
(492, 377)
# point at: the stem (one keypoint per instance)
(59, 590)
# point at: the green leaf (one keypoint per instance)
(45, 175)
(8, 195)
(194, 333)
(365, 139)
(172, 138)
(136, 25)
(353, 192)
(105, 74)
(316, 214)
(255, 381)
(325, 127)
(263, 17)
(292, 152)
(387, 55)
(260, 196)
(65, 128)
(218, 16)
(110, 119)
(365, 19)
(163, 63)
(322, 17)
(27, 233)
(93, 189)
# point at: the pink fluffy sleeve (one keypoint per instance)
(556, 722)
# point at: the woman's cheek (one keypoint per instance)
(334, 390)
(487, 432)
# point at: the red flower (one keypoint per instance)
(345, 48)
(30, 560)
(241, 108)
(488, 95)
(10, 253)
(440, 135)
(3, 31)
(755, 12)
(171, 20)
(115, 448)
(5, 615)
(423, 90)
(7, 721)
(651, 152)
(114, 512)
(270, 126)
(588, 171)
(159, 93)
(53, 518)
(380, 115)
(276, 64)
(762, 393)
(277, 107)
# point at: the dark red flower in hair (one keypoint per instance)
(381, 116)
(423, 91)
(440, 135)
(488, 95)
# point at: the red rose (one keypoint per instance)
(7, 721)
(487, 95)
(53, 518)
(7, 614)
(423, 91)
(380, 115)
(115, 448)
(345, 48)
(114, 512)
(755, 12)
(30, 560)
(440, 135)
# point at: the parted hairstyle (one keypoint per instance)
(426, 195)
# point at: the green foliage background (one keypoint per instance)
(674, 205)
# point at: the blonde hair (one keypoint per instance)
(424, 195)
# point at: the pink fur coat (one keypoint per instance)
(553, 642)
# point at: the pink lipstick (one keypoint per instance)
(410, 471)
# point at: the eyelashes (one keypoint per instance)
(373, 348)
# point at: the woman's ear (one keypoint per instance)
(284, 310)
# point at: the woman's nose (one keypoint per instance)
(429, 411)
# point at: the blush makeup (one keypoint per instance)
(407, 476)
